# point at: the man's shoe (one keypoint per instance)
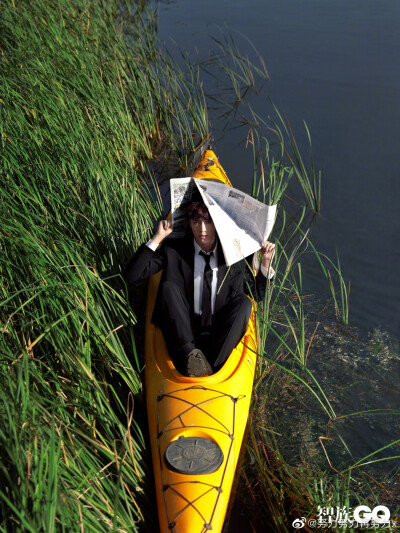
(197, 365)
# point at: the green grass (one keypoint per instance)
(89, 108)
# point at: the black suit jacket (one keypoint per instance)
(175, 258)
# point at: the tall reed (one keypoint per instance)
(283, 488)
(88, 106)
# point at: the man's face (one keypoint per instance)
(204, 232)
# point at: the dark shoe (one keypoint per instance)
(197, 365)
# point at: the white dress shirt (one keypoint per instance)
(199, 266)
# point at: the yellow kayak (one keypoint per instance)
(196, 424)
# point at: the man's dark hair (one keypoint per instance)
(197, 210)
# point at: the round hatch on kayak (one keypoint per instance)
(193, 455)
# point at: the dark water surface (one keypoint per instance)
(334, 64)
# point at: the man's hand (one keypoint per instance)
(164, 229)
(267, 252)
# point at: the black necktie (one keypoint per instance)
(206, 300)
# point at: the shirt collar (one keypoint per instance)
(197, 249)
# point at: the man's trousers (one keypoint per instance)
(182, 334)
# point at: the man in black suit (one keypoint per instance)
(201, 306)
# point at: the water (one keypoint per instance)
(334, 65)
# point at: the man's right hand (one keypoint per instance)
(164, 229)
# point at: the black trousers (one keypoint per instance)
(182, 334)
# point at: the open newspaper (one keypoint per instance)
(242, 223)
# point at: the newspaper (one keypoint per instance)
(242, 223)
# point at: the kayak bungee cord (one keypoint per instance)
(226, 431)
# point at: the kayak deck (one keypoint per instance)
(196, 424)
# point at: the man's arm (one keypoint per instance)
(257, 285)
(147, 260)
(267, 252)
(164, 229)
(266, 271)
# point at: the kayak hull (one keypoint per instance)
(196, 425)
